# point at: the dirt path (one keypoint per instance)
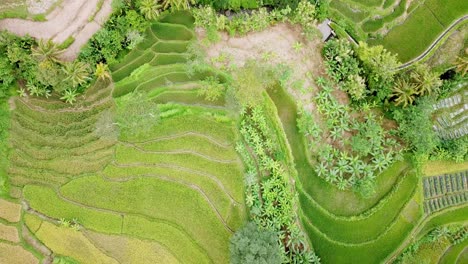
(71, 18)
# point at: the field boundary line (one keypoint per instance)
(190, 185)
(176, 167)
(433, 44)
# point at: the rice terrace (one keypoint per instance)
(233, 131)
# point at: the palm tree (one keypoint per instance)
(46, 50)
(150, 9)
(380, 162)
(404, 92)
(102, 71)
(69, 96)
(425, 79)
(34, 89)
(461, 65)
(178, 4)
(321, 81)
(322, 169)
(77, 73)
(342, 184)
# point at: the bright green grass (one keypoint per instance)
(43, 139)
(345, 203)
(370, 3)
(45, 200)
(447, 11)
(374, 25)
(229, 172)
(190, 97)
(4, 131)
(388, 3)
(171, 46)
(218, 193)
(344, 9)
(190, 122)
(357, 231)
(453, 253)
(422, 27)
(165, 31)
(180, 17)
(196, 144)
(452, 215)
(157, 199)
(373, 252)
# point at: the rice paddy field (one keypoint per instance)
(404, 27)
(171, 189)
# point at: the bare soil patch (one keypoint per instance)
(131, 250)
(16, 255)
(70, 18)
(40, 6)
(274, 46)
(9, 233)
(10, 211)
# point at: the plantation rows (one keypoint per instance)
(48, 133)
(437, 204)
(395, 23)
(448, 102)
(444, 191)
(451, 116)
(162, 55)
(372, 17)
(446, 184)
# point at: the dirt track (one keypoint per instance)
(71, 18)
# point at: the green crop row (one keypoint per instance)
(158, 199)
(349, 230)
(218, 193)
(46, 201)
(182, 18)
(190, 122)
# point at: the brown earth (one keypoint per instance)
(274, 46)
(10, 211)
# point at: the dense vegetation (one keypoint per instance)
(147, 150)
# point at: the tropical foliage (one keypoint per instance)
(268, 192)
(251, 245)
(343, 160)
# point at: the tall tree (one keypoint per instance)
(46, 50)
(461, 65)
(76, 73)
(379, 66)
(404, 92)
(426, 81)
(102, 71)
(251, 245)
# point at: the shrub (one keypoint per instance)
(212, 89)
(251, 245)
(416, 127)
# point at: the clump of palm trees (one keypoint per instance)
(351, 150)
(152, 8)
(268, 192)
(419, 81)
(54, 75)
